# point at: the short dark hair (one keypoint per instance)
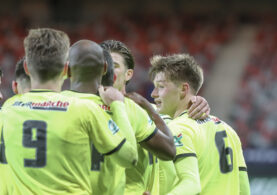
(178, 68)
(1, 72)
(19, 70)
(122, 49)
(46, 52)
(108, 78)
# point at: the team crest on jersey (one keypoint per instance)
(113, 127)
(177, 140)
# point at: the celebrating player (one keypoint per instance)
(84, 74)
(209, 157)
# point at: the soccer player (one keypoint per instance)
(84, 73)
(3, 163)
(47, 136)
(209, 157)
(22, 83)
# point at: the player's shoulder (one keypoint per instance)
(82, 103)
(80, 99)
(224, 126)
(184, 120)
(11, 100)
(167, 119)
(184, 124)
(130, 105)
(81, 95)
(129, 102)
(71, 102)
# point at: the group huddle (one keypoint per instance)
(95, 138)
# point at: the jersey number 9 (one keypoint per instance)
(35, 139)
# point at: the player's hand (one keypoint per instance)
(146, 193)
(199, 108)
(110, 94)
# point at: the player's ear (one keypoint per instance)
(14, 87)
(129, 74)
(65, 69)
(26, 68)
(68, 72)
(184, 89)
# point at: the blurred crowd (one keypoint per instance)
(145, 35)
(254, 112)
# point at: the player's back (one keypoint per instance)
(219, 154)
(111, 177)
(106, 177)
(47, 143)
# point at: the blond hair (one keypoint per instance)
(178, 68)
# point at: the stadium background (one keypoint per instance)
(234, 41)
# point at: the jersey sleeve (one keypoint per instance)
(238, 148)
(188, 177)
(103, 131)
(3, 162)
(120, 117)
(2, 144)
(183, 139)
(186, 168)
(241, 161)
(143, 126)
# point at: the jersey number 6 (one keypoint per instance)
(225, 167)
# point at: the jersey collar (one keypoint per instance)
(41, 90)
(81, 94)
(184, 112)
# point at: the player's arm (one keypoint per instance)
(243, 175)
(121, 119)
(244, 183)
(3, 159)
(127, 155)
(185, 162)
(108, 138)
(128, 150)
(188, 176)
(198, 108)
(3, 178)
(161, 144)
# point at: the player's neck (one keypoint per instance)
(182, 106)
(89, 87)
(55, 85)
(123, 90)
